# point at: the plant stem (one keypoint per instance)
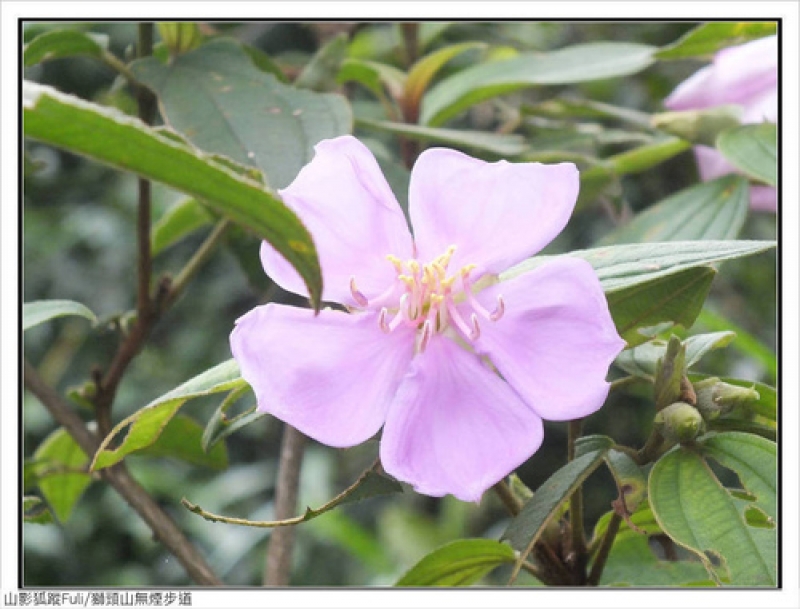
(508, 498)
(130, 346)
(279, 551)
(147, 110)
(164, 528)
(195, 262)
(576, 508)
(604, 550)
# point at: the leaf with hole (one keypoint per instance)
(459, 563)
(697, 512)
(181, 439)
(146, 425)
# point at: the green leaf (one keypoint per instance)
(642, 361)
(755, 461)
(753, 149)
(319, 74)
(494, 143)
(179, 221)
(630, 479)
(459, 563)
(675, 298)
(693, 508)
(632, 562)
(220, 426)
(640, 159)
(526, 527)
(60, 472)
(224, 104)
(746, 343)
(374, 76)
(713, 210)
(572, 108)
(623, 266)
(708, 38)
(35, 511)
(767, 404)
(670, 369)
(181, 439)
(148, 423)
(126, 143)
(57, 44)
(40, 311)
(579, 63)
(422, 72)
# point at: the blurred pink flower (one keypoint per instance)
(746, 75)
(457, 368)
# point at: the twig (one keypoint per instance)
(576, 507)
(281, 543)
(193, 265)
(604, 550)
(513, 505)
(163, 527)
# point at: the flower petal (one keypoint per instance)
(497, 214)
(331, 376)
(556, 340)
(738, 75)
(344, 201)
(711, 164)
(455, 426)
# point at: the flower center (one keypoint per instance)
(431, 299)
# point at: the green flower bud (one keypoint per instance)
(679, 422)
(715, 398)
(698, 126)
(179, 37)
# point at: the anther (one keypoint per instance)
(500, 310)
(357, 296)
(396, 262)
(476, 329)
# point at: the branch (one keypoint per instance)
(576, 507)
(164, 528)
(604, 550)
(281, 543)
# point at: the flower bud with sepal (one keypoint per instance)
(680, 422)
(716, 398)
(180, 37)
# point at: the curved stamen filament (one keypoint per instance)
(359, 297)
(429, 300)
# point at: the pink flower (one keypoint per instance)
(458, 368)
(746, 75)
